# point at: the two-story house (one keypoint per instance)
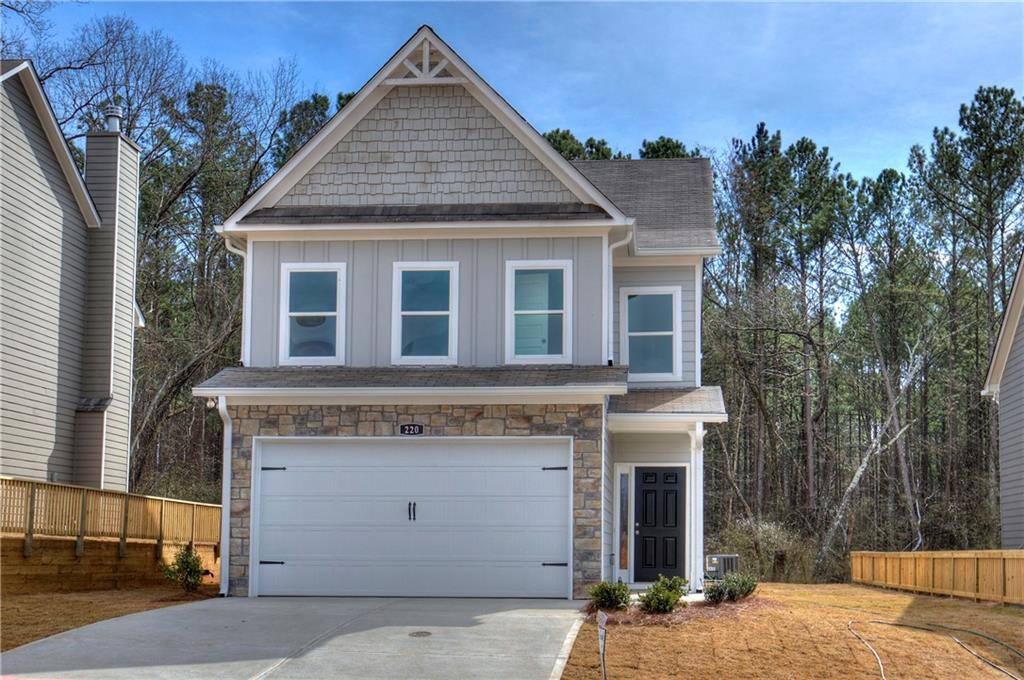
(67, 292)
(469, 366)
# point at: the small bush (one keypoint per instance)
(606, 595)
(186, 570)
(663, 596)
(731, 588)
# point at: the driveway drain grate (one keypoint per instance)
(420, 633)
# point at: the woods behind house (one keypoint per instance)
(848, 320)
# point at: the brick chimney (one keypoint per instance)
(104, 417)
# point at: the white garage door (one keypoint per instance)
(416, 517)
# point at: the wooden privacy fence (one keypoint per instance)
(996, 575)
(64, 510)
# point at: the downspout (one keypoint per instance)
(225, 496)
(610, 302)
(233, 248)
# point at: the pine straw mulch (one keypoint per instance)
(694, 612)
(29, 617)
(800, 631)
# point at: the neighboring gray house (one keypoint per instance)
(67, 293)
(469, 367)
(1005, 384)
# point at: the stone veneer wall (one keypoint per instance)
(581, 421)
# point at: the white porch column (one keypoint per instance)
(697, 542)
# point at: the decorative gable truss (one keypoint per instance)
(426, 66)
(342, 162)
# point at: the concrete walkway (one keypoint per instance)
(312, 638)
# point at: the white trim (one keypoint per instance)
(606, 316)
(405, 230)
(630, 469)
(511, 267)
(254, 484)
(398, 268)
(677, 331)
(562, 394)
(377, 87)
(643, 423)
(657, 260)
(225, 497)
(284, 314)
(1007, 332)
(704, 251)
(26, 72)
(246, 305)
(698, 321)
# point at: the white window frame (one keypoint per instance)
(453, 314)
(677, 331)
(511, 267)
(284, 314)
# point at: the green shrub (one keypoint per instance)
(731, 588)
(186, 570)
(663, 596)
(606, 595)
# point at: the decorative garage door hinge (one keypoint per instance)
(554, 564)
(562, 467)
(273, 468)
(270, 562)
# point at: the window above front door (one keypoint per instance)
(651, 332)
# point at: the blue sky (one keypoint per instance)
(868, 80)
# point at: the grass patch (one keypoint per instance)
(25, 618)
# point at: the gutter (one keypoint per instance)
(431, 392)
(225, 494)
(610, 302)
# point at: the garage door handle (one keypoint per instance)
(554, 564)
(270, 562)
(409, 510)
(414, 511)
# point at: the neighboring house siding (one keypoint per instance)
(481, 292)
(1011, 444)
(426, 145)
(683, 276)
(44, 246)
(115, 474)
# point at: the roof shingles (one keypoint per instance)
(689, 400)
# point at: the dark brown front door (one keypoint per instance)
(659, 517)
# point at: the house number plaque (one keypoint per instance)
(410, 429)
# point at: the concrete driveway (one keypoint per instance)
(313, 638)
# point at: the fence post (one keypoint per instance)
(192, 539)
(977, 577)
(82, 519)
(122, 548)
(30, 520)
(160, 533)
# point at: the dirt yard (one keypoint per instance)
(24, 618)
(801, 631)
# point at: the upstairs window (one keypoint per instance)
(538, 326)
(651, 332)
(312, 313)
(424, 313)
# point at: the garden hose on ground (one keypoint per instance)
(925, 628)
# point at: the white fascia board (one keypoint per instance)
(378, 230)
(702, 251)
(415, 395)
(48, 120)
(661, 422)
(370, 95)
(1007, 333)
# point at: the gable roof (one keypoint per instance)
(26, 73)
(1011, 321)
(403, 69)
(670, 199)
